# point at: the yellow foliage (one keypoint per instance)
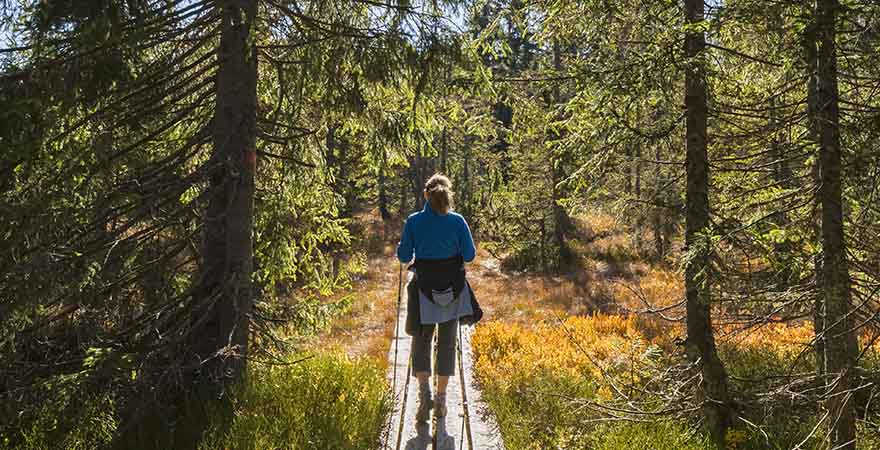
(779, 338)
(598, 222)
(592, 348)
(659, 287)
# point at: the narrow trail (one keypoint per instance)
(468, 424)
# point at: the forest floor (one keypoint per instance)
(604, 278)
(552, 349)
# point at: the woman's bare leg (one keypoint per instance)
(425, 401)
(442, 381)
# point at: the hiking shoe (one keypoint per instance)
(440, 405)
(425, 405)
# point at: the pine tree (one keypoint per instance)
(715, 398)
(840, 346)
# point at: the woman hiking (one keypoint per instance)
(441, 243)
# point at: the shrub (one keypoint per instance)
(60, 425)
(660, 435)
(534, 377)
(328, 402)
(591, 347)
(770, 349)
(537, 379)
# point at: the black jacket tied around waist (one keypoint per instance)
(439, 275)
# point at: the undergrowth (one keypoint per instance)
(547, 383)
(567, 351)
(327, 401)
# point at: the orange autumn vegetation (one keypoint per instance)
(591, 348)
(602, 348)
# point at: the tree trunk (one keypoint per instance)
(383, 196)
(561, 221)
(713, 390)
(841, 346)
(658, 212)
(417, 180)
(782, 178)
(465, 186)
(637, 173)
(222, 323)
(811, 58)
(444, 153)
(404, 190)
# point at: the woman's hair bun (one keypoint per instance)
(439, 190)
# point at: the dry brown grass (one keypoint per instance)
(608, 276)
(605, 278)
(658, 288)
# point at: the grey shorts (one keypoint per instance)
(421, 348)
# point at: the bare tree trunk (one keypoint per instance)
(444, 152)
(404, 190)
(657, 213)
(637, 172)
(811, 58)
(465, 186)
(430, 167)
(383, 196)
(561, 220)
(717, 405)
(840, 340)
(417, 179)
(222, 323)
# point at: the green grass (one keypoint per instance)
(325, 402)
(328, 402)
(536, 413)
(544, 411)
(659, 435)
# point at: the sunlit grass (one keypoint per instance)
(329, 401)
(615, 320)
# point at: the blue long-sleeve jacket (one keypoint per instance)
(429, 235)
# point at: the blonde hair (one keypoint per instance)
(439, 190)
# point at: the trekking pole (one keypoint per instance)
(403, 406)
(466, 417)
(434, 419)
(409, 365)
(397, 329)
(463, 392)
(396, 340)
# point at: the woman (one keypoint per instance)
(441, 242)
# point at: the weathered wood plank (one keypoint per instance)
(451, 430)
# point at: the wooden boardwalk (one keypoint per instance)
(467, 425)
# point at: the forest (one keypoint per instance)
(675, 203)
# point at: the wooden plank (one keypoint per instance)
(451, 430)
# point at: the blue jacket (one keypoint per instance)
(429, 235)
